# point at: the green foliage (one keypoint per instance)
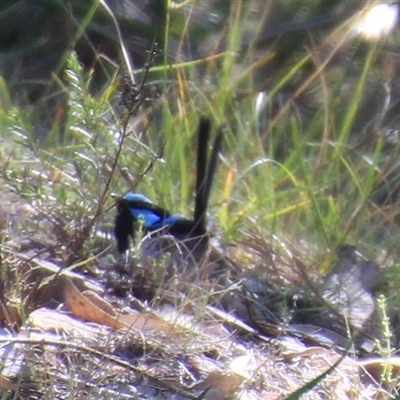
(384, 346)
(296, 176)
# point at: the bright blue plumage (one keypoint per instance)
(152, 216)
(131, 196)
(147, 217)
(171, 219)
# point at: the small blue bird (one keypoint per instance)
(151, 216)
(134, 208)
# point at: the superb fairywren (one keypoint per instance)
(135, 208)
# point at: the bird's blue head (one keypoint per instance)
(137, 197)
(152, 216)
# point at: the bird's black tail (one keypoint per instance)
(205, 173)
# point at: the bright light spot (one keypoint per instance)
(377, 21)
(260, 102)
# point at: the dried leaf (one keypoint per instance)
(220, 384)
(89, 306)
(5, 384)
(376, 366)
(83, 307)
(55, 321)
